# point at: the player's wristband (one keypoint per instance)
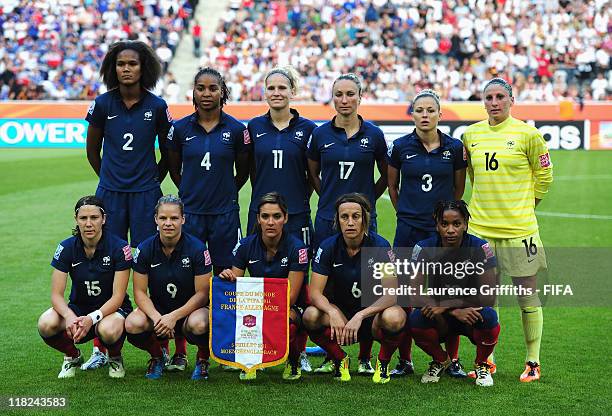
(96, 316)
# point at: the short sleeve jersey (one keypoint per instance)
(251, 254)
(207, 183)
(92, 279)
(128, 148)
(425, 177)
(347, 164)
(343, 271)
(172, 279)
(280, 161)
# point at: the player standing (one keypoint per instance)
(123, 125)
(511, 171)
(344, 151)
(99, 265)
(273, 252)
(336, 316)
(279, 152)
(430, 166)
(450, 315)
(175, 268)
(204, 148)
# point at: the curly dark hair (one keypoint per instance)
(460, 206)
(150, 66)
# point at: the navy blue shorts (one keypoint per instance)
(406, 235)
(298, 225)
(124, 311)
(133, 211)
(325, 229)
(220, 232)
(456, 327)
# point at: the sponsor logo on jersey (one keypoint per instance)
(365, 142)
(148, 115)
(186, 262)
(284, 261)
(410, 156)
(246, 137)
(106, 261)
(249, 321)
(226, 136)
(58, 251)
(303, 256)
(328, 145)
(258, 135)
(127, 253)
(207, 260)
(545, 160)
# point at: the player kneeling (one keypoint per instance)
(455, 305)
(175, 267)
(99, 267)
(337, 316)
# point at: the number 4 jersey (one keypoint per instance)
(128, 161)
(510, 167)
(92, 279)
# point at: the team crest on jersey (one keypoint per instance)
(299, 135)
(446, 155)
(510, 144)
(226, 136)
(246, 136)
(136, 253)
(545, 160)
(127, 253)
(186, 262)
(365, 142)
(318, 256)
(207, 260)
(90, 110)
(148, 115)
(284, 262)
(58, 251)
(303, 256)
(106, 261)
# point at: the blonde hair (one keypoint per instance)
(288, 72)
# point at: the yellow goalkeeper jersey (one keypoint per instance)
(509, 167)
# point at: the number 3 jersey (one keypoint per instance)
(172, 279)
(92, 279)
(509, 166)
(128, 161)
(343, 271)
(425, 177)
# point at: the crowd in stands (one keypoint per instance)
(548, 49)
(52, 49)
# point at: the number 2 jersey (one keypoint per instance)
(172, 279)
(92, 279)
(509, 166)
(128, 161)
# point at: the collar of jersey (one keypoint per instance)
(101, 244)
(117, 97)
(177, 249)
(341, 130)
(281, 243)
(502, 124)
(222, 121)
(292, 122)
(444, 141)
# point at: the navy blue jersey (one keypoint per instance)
(171, 279)
(92, 279)
(473, 250)
(251, 254)
(128, 149)
(425, 177)
(280, 161)
(343, 271)
(207, 182)
(347, 165)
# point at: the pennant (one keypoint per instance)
(249, 322)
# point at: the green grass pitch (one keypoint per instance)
(38, 189)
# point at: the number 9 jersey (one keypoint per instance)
(172, 279)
